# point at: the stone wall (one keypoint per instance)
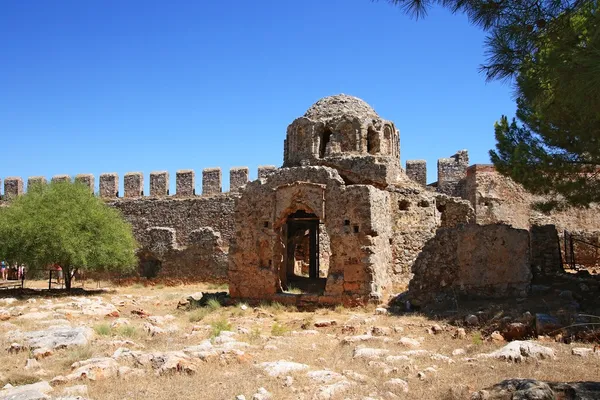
(451, 173)
(472, 261)
(498, 199)
(414, 221)
(356, 219)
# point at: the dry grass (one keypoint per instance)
(280, 328)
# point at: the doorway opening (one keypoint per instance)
(302, 253)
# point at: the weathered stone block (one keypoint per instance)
(185, 181)
(159, 183)
(13, 187)
(86, 179)
(211, 181)
(417, 171)
(486, 261)
(61, 178)
(133, 183)
(109, 185)
(35, 180)
(238, 177)
(266, 170)
(451, 171)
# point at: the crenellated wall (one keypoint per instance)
(180, 215)
(133, 183)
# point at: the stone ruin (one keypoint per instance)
(341, 221)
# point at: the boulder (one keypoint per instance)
(519, 350)
(282, 367)
(58, 337)
(34, 391)
(531, 389)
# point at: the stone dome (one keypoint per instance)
(338, 106)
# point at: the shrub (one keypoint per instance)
(219, 326)
(103, 329)
(278, 329)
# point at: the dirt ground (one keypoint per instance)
(438, 363)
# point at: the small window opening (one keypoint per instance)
(403, 205)
(266, 224)
(373, 145)
(346, 222)
(325, 138)
(391, 240)
(355, 228)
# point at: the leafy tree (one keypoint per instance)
(65, 223)
(551, 51)
(555, 150)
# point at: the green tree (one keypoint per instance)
(554, 149)
(551, 51)
(65, 223)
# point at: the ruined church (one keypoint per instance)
(341, 221)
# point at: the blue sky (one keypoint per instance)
(118, 86)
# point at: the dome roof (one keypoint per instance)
(339, 105)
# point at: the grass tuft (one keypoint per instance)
(477, 339)
(219, 326)
(198, 314)
(128, 331)
(77, 353)
(279, 330)
(103, 329)
(213, 304)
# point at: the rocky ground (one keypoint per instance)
(146, 342)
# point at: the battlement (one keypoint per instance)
(451, 171)
(133, 183)
(417, 171)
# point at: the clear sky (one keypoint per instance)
(118, 86)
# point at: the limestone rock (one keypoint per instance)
(369, 353)
(410, 343)
(519, 350)
(262, 394)
(581, 351)
(34, 391)
(55, 337)
(94, 369)
(282, 367)
(397, 384)
(324, 376)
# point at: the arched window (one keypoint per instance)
(373, 144)
(325, 138)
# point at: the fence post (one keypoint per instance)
(50, 280)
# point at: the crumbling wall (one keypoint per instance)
(414, 222)
(355, 218)
(498, 199)
(204, 258)
(474, 261)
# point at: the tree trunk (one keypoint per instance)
(67, 277)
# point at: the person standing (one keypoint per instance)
(4, 270)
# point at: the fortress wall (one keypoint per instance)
(181, 215)
(133, 183)
(498, 199)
